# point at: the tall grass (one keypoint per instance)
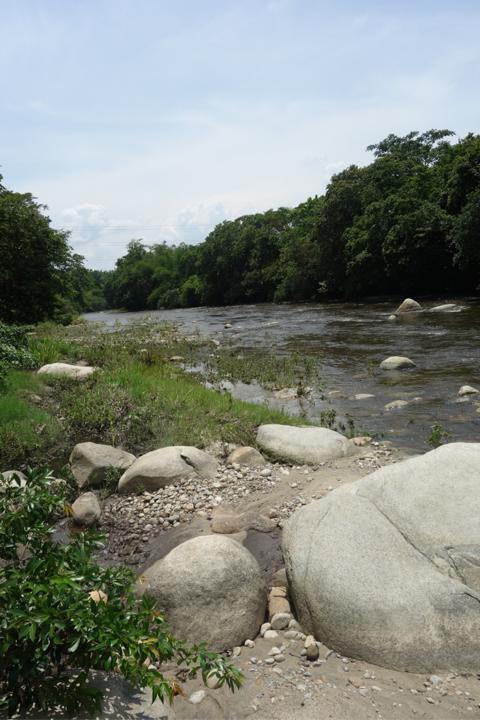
(24, 428)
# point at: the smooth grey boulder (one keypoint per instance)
(90, 462)
(86, 509)
(211, 589)
(408, 305)
(387, 569)
(78, 372)
(165, 466)
(396, 362)
(246, 456)
(303, 444)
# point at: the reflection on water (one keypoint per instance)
(349, 341)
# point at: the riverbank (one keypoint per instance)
(148, 392)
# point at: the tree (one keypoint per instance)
(35, 260)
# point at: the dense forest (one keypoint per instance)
(409, 222)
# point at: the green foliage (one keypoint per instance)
(63, 615)
(405, 223)
(25, 428)
(14, 351)
(438, 436)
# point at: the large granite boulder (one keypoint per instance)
(408, 305)
(387, 569)
(162, 467)
(77, 372)
(211, 590)
(303, 444)
(90, 462)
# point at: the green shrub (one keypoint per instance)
(62, 614)
(14, 350)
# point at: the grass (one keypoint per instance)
(142, 407)
(137, 399)
(25, 429)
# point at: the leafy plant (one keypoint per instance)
(62, 614)
(14, 350)
(438, 436)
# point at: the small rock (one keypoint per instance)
(270, 634)
(236, 651)
(396, 405)
(279, 658)
(86, 509)
(279, 578)
(361, 440)
(311, 648)
(197, 697)
(280, 621)
(249, 643)
(266, 626)
(396, 362)
(213, 681)
(467, 390)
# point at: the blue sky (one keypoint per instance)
(157, 119)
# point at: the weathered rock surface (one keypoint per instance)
(303, 444)
(78, 372)
(467, 390)
(211, 589)
(247, 456)
(396, 362)
(387, 569)
(86, 509)
(90, 462)
(408, 305)
(164, 466)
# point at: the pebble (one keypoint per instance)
(279, 658)
(270, 634)
(266, 626)
(280, 621)
(249, 643)
(197, 697)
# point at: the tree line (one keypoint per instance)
(408, 222)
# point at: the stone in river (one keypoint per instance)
(396, 362)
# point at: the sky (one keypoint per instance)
(157, 119)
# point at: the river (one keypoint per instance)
(350, 340)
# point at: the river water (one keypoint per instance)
(349, 341)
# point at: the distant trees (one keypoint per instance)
(408, 222)
(41, 278)
(33, 260)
